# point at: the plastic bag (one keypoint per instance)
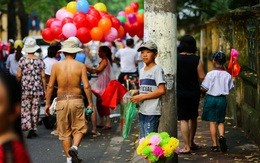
(129, 115)
(113, 94)
(99, 85)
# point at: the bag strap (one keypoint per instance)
(8, 152)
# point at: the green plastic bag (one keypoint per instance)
(130, 113)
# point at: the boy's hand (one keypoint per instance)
(136, 99)
(134, 92)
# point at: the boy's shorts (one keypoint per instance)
(70, 118)
(214, 109)
(148, 124)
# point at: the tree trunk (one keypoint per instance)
(161, 27)
(11, 27)
(23, 17)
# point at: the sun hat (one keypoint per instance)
(18, 43)
(30, 45)
(148, 45)
(219, 57)
(70, 46)
(76, 40)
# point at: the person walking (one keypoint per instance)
(12, 147)
(217, 85)
(105, 75)
(190, 74)
(32, 77)
(68, 74)
(12, 60)
(128, 60)
(152, 87)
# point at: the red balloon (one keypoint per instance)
(103, 40)
(91, 7)
(115, 23)
(94, 13)
(79, 13)
(108, 16)
(128, 27)
(140, 33)
(67, 20)
(102, 13)
(80, 21)
(47, 35)
(56, 31)
(50, 21)
(135, 6)
(132, 33)
(62, 37)
(92, 21)
(136, 26)
(83, 34)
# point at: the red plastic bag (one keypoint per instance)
(113, 94)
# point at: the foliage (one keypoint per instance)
(196, 12)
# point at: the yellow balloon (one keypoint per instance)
(71, 7)
(100, 7)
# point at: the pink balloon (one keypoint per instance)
(112, 35)
(66, 14)
(69, 30)
(60, 12)
(56, 23)
(122, 13)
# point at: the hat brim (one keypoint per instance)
(30, 49)
(143, 48)
(70, 50)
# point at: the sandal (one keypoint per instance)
(214, 148)
(106, 128)
(222, 142)
(182, 151)
(95, 133)
(195, 147)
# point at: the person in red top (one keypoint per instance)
(12, 148)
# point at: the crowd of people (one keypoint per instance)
(64, 74)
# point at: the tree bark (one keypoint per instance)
(161, 27)
(11, 26)
(23, 17)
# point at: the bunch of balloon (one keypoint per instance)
(83, 21)
(132, 19)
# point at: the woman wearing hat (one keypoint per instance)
(12, 60)
(32, 77)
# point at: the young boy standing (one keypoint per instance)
(152, 87)
(217, 85)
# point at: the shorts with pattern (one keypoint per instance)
(70, 118)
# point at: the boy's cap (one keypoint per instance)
(219, 57)
(148, 45)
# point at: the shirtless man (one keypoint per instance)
(68, 74)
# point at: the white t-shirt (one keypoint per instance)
(149, 82)
(49, 62)
(128, 57)
(12, 64)
(217, 83)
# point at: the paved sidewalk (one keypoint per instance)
(241, 148)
